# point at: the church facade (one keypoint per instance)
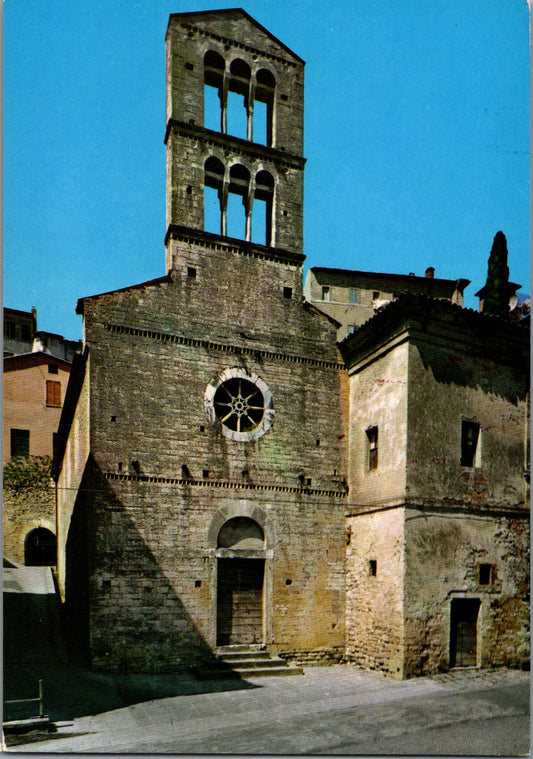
(228, 473)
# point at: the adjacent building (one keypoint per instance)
(36, 373)
(352, 297)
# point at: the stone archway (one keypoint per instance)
(240, 582)
(40, 548)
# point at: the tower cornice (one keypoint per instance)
(252, 150)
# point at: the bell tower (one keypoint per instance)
(234, 139)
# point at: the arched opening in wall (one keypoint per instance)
(263, 119)
(240, 581)
(241, 533)
(238, 206)
(40, 548)
(213, 88)
(238, 99)
(213, 184)
(262, 232)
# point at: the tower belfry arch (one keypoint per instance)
(227, 53)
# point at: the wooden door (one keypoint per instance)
(240, 601)
(463, 632)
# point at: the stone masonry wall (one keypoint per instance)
(70, 478)
(153, 587)
(188, 146)
(154, 350)
(444, 552)
(23, 512)
(374, 591)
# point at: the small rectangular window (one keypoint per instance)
(372, 447)
(25, 332)
(372, 567)
(53, 393)
(20, 443)
(469, 443)
(191, 272)
(485, 574)
(53, 369)
(375, 295)
(287, 292)
(325, 293)
(353, 295)
(9, 329)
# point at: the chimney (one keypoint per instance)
(430, 272)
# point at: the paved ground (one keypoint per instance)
(329, 710)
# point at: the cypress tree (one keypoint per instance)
(496, 300)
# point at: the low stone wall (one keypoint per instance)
(318, 658)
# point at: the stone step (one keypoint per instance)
(285, 671)
(236, 648)
(241, 673)
(243, 655)
(253, 662)
(242, 661)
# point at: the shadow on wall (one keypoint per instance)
(44, 640)
(468, 370)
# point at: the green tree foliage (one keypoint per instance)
(27, 473)
(496, 300)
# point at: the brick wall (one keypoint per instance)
(25, 407)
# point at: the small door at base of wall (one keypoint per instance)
(463, 632)
(240, 601)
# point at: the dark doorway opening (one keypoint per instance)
(463, 632)
(40, 548)
(240, 601)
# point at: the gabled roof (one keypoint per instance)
(394, 283)
(130, 288)
(228, 13)
(36, 358)
(503, 339)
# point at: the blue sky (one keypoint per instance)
(416, 139)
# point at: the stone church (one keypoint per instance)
(228, 473)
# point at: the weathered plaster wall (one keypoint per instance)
(443, 554)
(447, 385)
(378, 397)
(374, 603)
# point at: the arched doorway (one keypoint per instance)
(40, 548)
(240, 581)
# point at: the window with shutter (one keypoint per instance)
(53, 393)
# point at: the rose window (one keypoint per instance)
(241, 402)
